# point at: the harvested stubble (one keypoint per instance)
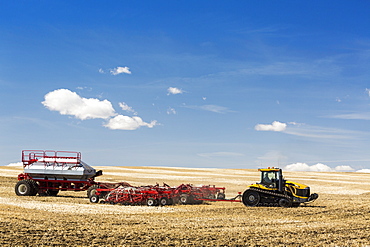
(340, 217)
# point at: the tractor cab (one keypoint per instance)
(272, 178)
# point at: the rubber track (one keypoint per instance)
(269, 193)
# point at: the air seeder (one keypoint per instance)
(48, 172)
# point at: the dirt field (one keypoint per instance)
(340, 217)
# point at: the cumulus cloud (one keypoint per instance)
(319, 167)
(275, 126)
(127, 108)
(174, 90)
(343, 168)
(121, 122)
(364, 170)
(120, 70)
(70, 103)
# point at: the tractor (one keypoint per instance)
(273, 190)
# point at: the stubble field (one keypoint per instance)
(340, 217)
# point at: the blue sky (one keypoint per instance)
(225, 84)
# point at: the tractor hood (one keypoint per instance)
(296, 185)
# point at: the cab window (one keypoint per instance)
(269, 178)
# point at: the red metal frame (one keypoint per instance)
(31, 156)
(139, 195)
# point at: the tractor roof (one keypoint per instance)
(269, 169)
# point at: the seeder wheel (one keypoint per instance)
(25, 188)
(163, 201)
(92, 190)
(94, 199)
(151, 202)
(185, 199)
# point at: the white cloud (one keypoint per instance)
(211, 108)
(343, 168)
(18, 164)
(67, 102)
(174, 90)
(121, 122)
(214, 108)
(101, 71)
(367, 91)
(120, 70)
(319, 167)
(127, 108)
(171, 111)
(84, 88)
(294, 123)
(364, 170)
(304, 167)
(355, 115)
(275, 126)
(322, 133)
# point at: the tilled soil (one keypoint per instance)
(340, 217)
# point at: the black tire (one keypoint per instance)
(251, 198)
(296, 204)
(35, 187)
(151, 202)
(170, 201)
(163, 201)
(94, 199)
(185, 199)
(221, 196)
(285, 203)
(92, 190)
(24, 188)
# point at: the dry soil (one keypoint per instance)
(340, 217)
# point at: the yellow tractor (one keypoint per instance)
(273, 190)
